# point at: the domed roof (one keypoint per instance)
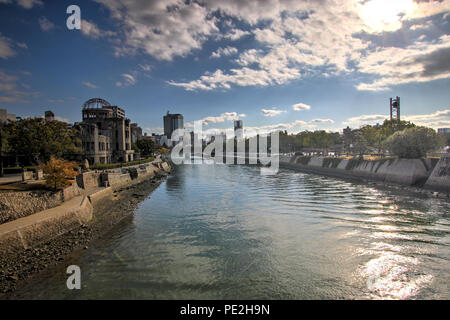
(96, 103)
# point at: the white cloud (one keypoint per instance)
(295, 39)
(228, 51)
(26, 4)
(89, 84)
(145, 67)
(365, 119)
(55, 100)
(226, 116)
(45, 24)
(421, 26)
(6, 49)
(162, 29)
(322, 121)
(128, 80)
(236, 34)
(154, 130)
(421, 62)
(438, 119)
(91, 30)
(300, 107)
(58, 118)
(22, 45)
(9, 91)
(271, 112)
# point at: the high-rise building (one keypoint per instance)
(238, 130)
(136, 132)
(171, 123)
(105, 132)
(6, 117)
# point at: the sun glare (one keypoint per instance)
(385, 15)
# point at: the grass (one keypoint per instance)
(105, 166)
(18, 186)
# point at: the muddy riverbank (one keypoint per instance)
(21, 267)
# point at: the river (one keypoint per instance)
(227, 232)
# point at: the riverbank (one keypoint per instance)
(424, 175)
(109, 206)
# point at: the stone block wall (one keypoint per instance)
(440, 177)
(87, 180)
(15, 205)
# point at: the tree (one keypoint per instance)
(360, 144)
(3, 146)
(413, 143)
(59, 172)
(39, 140)
(146, 146)
(135, 147)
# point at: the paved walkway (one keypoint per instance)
(9, 178)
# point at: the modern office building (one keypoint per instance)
(443, 131)
(171, 123)
(238, 130)
(105, 133)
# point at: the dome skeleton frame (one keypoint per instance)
(95, 103)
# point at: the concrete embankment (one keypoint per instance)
(28, 245)
(407, 172)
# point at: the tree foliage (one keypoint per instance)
(146, 146)
(308, 139)
(59, 172)
(39, 139)
(413, 142)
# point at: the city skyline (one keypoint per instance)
(285, 65)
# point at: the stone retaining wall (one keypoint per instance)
(440, 177)
(87, 180)
(15, 205)
(29, 231)
(410, 172)
(45, 225)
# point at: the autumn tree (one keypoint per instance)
(59, 173)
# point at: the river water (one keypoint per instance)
(227, 232)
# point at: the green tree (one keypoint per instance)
(413, 142)
(146, 146)
(39, 140)
(3, 146)
(135, 147)
(360, 144)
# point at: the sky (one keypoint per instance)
(275, 64)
